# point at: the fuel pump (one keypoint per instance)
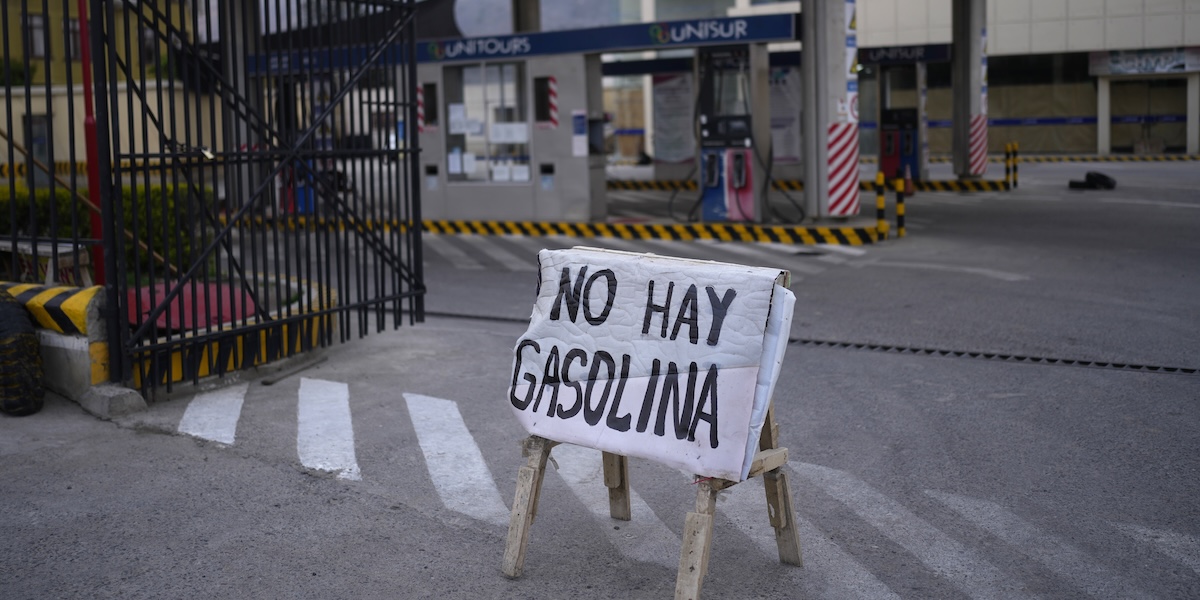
(734, 148)
(899, 142)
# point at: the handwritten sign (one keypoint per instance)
(668, 359)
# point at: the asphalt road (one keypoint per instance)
(927, 467)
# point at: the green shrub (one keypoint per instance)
(45, 213)
(163, 217)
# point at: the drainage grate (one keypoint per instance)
(1013, 358)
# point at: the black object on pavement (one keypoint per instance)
(21, 391)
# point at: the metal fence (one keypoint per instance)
(254, 175)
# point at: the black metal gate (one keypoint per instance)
(258, 179)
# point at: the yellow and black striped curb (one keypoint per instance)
(60, 168)
(1067, 158)
(234, 351)
(728, 232)
(59, 308)
(794, 185)
(1111, 158)
(235, 347)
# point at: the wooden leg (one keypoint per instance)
(529, 487)
(783, 518)
(616, 478)
(697, 543)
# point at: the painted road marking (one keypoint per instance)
(992, 273)
(645, 538)
(759, 257)
(455, 464)
(1056, 555)
(501, 255)
(1183, 548)
(443, 246)
(324, 432)
(943, 555)
(1162, 203)
(214, 415)
(746, 505)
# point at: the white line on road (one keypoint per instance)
(500, 254)
(746, 505)
(943, 555)
(452, 253)
(645, 538)
(1161, 203)
(325, 433)
(758, 256)
(994, 274)
(214, 415)
(1183, 548)
(1056, 555)
(456, 466)
(850, 250)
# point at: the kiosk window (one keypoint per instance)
(487, 133)
(429, 90)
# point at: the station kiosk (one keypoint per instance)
(512, 139)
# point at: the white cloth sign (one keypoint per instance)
(672, 360)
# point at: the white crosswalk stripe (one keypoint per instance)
(325, 434)
(939, 552)
(1182, 548)
(501, 254)
(455, 464)
(745, 505)
(445, 248)
(645, 538)
(1049, 550)
(214, 415)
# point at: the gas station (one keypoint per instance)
(512, 127)
(518, 131)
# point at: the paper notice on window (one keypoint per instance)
(520, 173)
(458, 119)
(509, 133)
(468, 163)
(501, 173)
(454, 163)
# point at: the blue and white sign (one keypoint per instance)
(616, 38)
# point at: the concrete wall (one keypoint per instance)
(1038, 26)
(65, 108)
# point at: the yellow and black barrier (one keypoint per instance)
(881, 224)
(232, 351)
(795, 185)
(57, 308)
(901, 192)
(9, 170)
(728, 232)
(1072, 158)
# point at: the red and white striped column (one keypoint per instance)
(843, 169)
(978, 145)
(969, 86)
(552, 99)
(420, 109)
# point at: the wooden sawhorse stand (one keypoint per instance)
(698, 528)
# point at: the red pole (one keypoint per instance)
(89, 139)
